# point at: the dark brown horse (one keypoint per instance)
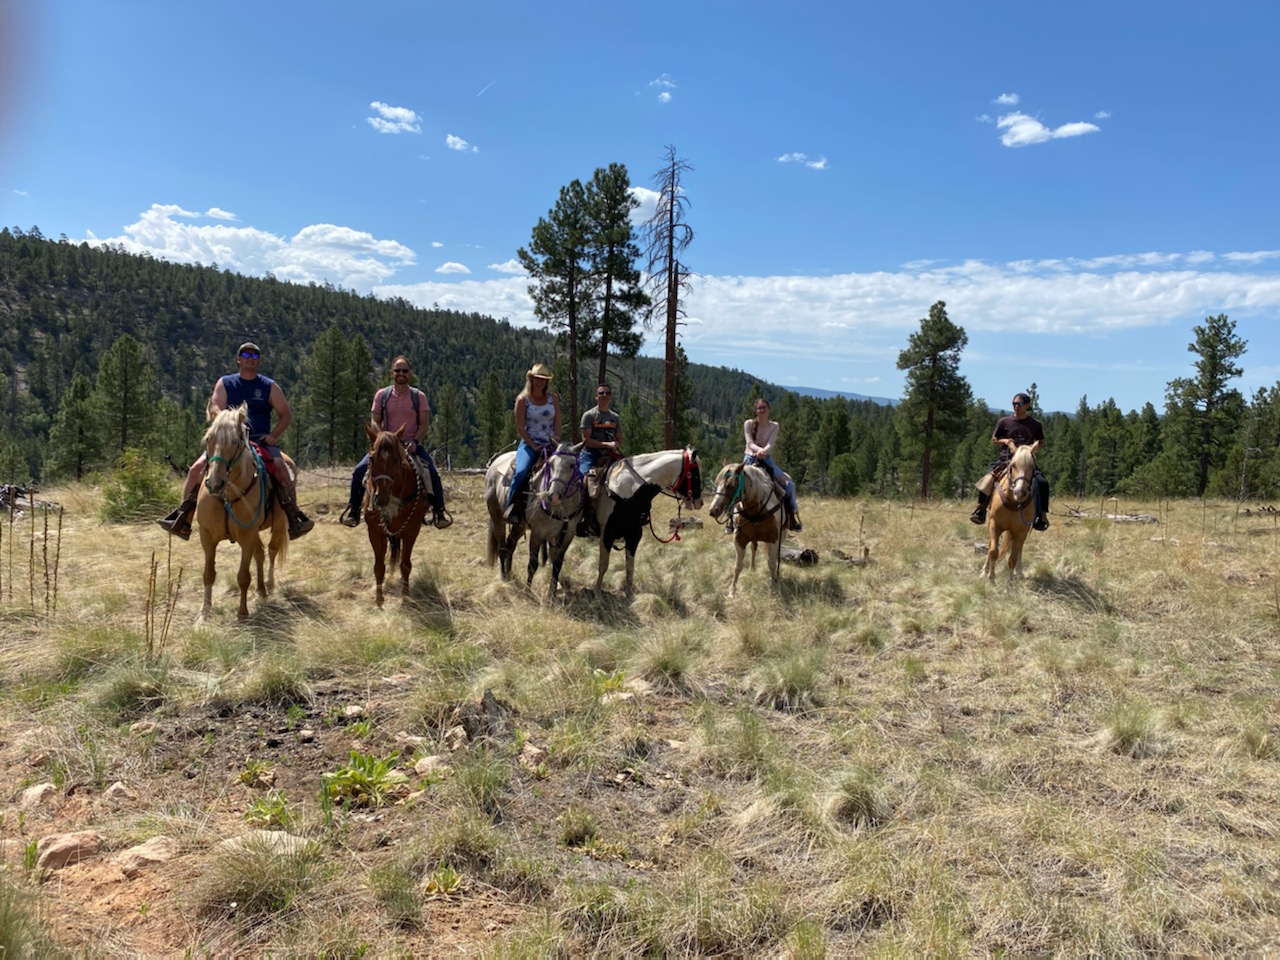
(394, 504)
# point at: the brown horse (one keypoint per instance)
(235, 504)
(1011, 513)
(394, 504)
(750, 502)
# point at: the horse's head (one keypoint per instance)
(224, 444)
(561, 479)
(729, 486)
(388, 461)
(1021, 472)
(689, 486)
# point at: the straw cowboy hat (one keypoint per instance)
(540, 370)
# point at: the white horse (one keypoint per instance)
(550, 515)
(626, 493)
(750, 501)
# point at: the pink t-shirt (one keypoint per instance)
(768, 433)
(399, 411)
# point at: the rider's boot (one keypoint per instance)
(979, 514)
(299, 522)
(1041, 521)
(351, 516)
(514, 501)
(178, 523)
(796, 526)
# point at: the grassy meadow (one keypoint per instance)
(888, 759)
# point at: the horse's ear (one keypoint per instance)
(369, 432)
(210, 411)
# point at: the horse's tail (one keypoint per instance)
(494, 542)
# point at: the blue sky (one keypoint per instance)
(1081, 183)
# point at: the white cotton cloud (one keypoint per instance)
(391, 119)
(803, 158)
(664, 96)
(1022, 130)
(20, 193)
(664, 80)
(317, 253)
(512, 266)
(452, 267)
(1102, 115)
(457, 143)
(1006, 100)
(648, 200)
(985, 118)
(217, 213)
(819, 164)
(437, 244)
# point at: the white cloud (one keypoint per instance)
(664, 96)
(1022, 130)
(512, 266)
(21, 193)
(437, 244)
(985, 118)
(1007, 100)
(393, 119)
(316, 253)
(819, 164)
(792, 158)
(217, 213)
(1102, 115)
(648, 203)
(452, 267)
(1258, 256)
(457, 143)
(664, 80)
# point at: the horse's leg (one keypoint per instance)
(754, 546)
(775, 554)
(603, 565)
(378, 540)
(633, 542)
(741, 547)
(210, 546)
(993, 550)
(406, 556)
(535, 549)
(259, 556)
(243, 578)
(1015, 555)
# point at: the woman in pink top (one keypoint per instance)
(760, 434)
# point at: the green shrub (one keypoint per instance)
(137, 489)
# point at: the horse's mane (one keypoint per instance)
(227, 427)
(1024, 459)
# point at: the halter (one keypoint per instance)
(260, 475)
(739, 498)
(370, 479)
(571, 486)
(1017, 506)
(690, 478)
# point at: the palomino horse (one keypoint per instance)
(1012, 512)
(626, 494)
(394, 504)
(235, 504)
(550, 514)
(749, 499)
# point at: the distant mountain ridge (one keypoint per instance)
(827, 394)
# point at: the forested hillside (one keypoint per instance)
(101, 351)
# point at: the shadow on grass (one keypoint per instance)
(1070, 589)
(796, 587)
(611, 610)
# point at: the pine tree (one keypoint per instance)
(495, 416)
(562, 290)
(933, 411)
(124, 396)
(446, 425)
(1202, 411)
(76, 446)
(611, 255)
(330, 393)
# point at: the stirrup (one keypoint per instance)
(442, 519)
(350, 517)
(979, 515)
(301, 527)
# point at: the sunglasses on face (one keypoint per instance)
(250, 354)
(603, 393)
(1018, 403)
(400, 370)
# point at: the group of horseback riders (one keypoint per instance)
(537, 418)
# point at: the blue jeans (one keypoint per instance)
(588, 459)
(778, 474)
(526, 457)
(362, 468)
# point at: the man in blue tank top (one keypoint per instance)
(262, 396)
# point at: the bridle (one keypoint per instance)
(571, 486)
(259, 475)
(739, 497)
(686, 489)
(1016, 504)
(371, 491)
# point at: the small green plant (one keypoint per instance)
(361, 728)
(269, 810)
(395, 886)
(577, 827)
(257, 773)
(365, 780)
(442, 881)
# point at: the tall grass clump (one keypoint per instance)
(137, 489)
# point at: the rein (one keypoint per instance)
(370, 496)
(739, 497)
(260, 475)
(685, 480)
(1017, 506)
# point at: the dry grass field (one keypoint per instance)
(889, 759)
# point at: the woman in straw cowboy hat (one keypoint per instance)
(538, 423)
